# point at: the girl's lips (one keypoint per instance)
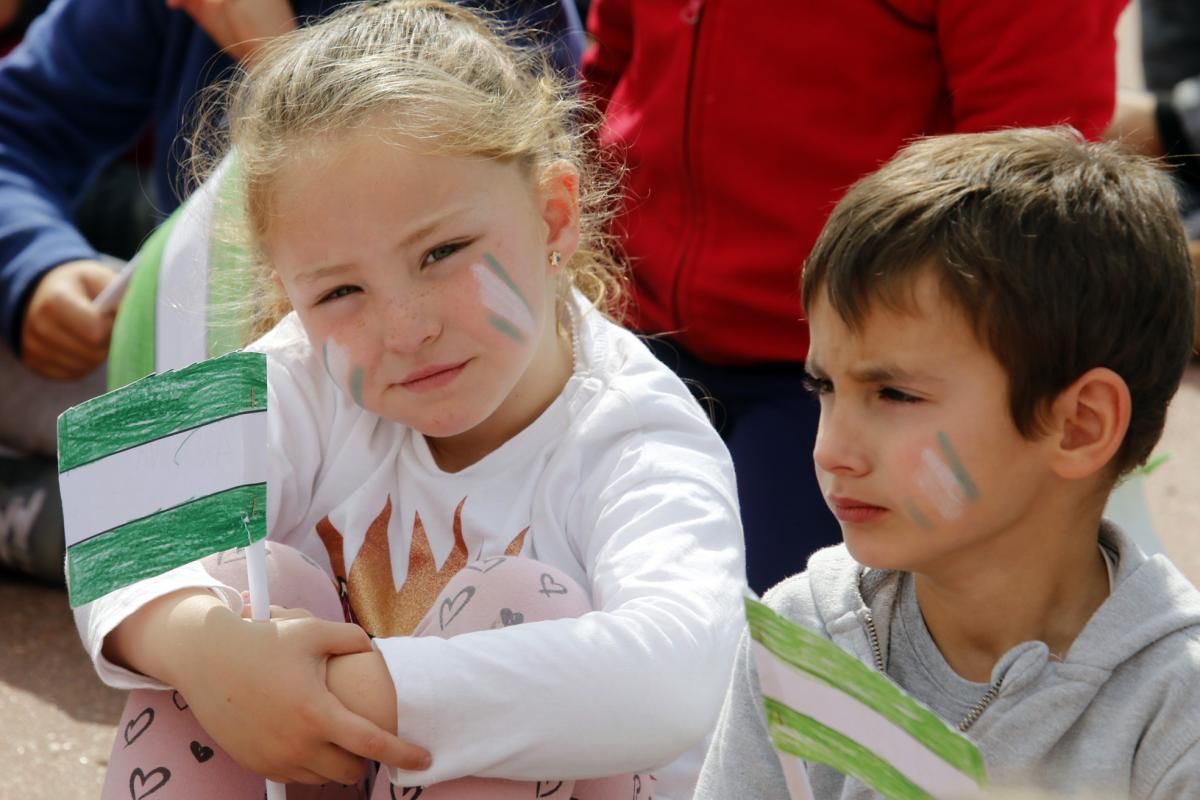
(430, 378)
(847, 509)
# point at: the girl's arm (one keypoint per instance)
(629, 687)
(258, 688)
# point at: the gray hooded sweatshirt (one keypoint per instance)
(1119, 716)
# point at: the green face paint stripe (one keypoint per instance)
(917, 516)
(808, 739)
(824, 661)
(166, 540)
(356, 385)
(956, 466)
(507, 328)
(496, 267)
(160, 406)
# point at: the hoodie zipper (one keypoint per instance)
(976, 711)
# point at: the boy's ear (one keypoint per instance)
(1088, 421)
(559, 192)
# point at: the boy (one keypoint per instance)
(999, 322)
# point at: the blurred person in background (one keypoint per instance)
(86, 82)
(743, 125)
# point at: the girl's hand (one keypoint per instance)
(258, 688)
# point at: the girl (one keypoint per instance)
(526, 516)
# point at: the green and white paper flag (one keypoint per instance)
(825, 706)
(162, 472)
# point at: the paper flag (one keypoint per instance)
(825, 706)
(162, 472)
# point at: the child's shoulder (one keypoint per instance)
(286, 342)
(626, 395)
(828, 590)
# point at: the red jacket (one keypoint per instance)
(742, 123)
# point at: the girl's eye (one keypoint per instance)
(341, 291)
(817, 386)
(442, 251)
(891, 395)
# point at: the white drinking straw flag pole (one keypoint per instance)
(166, 471)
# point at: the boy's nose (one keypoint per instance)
(839, 445)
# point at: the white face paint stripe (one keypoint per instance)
(337, 364)
(938, 481)
(499, 298)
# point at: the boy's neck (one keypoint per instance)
(1041, 581)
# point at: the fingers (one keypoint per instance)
(332, 763)
(362, 737)
(343, 638)
(64, 335)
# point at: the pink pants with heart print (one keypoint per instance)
(162, 753)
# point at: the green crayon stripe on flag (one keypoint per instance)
(823, 661)
(160, 406)
(171, 538)
(163, 472)
(808, 739)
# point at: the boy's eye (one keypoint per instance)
(340, 291)
(817, 386)
(442, 251)
(896, 396)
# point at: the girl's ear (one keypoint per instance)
(559, 193)
(1088, 422)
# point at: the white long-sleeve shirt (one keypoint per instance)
(621, 483)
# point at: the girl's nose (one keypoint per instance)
(409, 326)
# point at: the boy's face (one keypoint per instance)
(917, 454)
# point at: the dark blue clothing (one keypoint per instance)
(90, 77)
(769, 423)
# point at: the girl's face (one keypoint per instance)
(425, 281)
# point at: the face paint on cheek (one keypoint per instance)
(956, 466)
(511, 313)
(337, 366)
(918, 517)
(945, 481)
(356, 385)
(936, 481)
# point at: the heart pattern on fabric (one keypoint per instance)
(178, 700)
(547, 789)
(551, 586)
(201, 752)
(453, 606)
(510, 617)
(487, 564)
(138, 725)
(144, 784)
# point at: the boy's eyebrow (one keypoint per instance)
(886, 373)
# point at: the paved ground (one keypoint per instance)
(57, 721)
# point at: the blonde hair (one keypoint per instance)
(434, 72)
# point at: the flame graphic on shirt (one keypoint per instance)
(368, 592)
